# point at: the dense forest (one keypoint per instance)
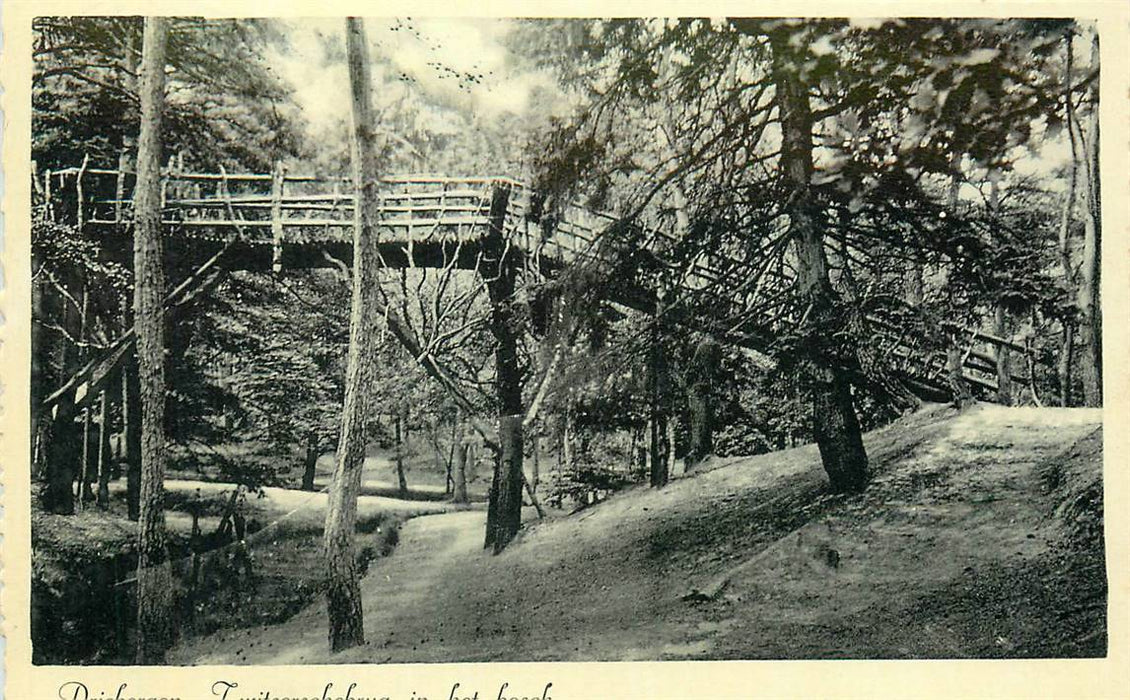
(810, 228)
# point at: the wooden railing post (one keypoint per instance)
(169, 170)
(278, 178)
(120, 186)
(80, 213)
(47, 195)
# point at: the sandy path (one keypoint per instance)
(394, 593)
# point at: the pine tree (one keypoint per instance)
(154, 577)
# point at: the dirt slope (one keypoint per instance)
(955, 550)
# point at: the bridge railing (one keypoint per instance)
(278, 207)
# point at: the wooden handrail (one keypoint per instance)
(413, 178)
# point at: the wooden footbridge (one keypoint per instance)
(275, 221)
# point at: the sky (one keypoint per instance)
(414, 57)
(408, 51)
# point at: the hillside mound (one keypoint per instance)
(979, 536)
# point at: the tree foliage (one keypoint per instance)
(902, 109)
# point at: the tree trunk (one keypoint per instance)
(1065, 369)
(913, 283)
(955, 370)
(648, 429)
(508, 513)
(535, 467)
(116, 467)
(1088, 299)
(838, 436)
(658, 471)
(449, 483)
(701, 415)
(704, 369)
(835, 424)
(460, 489)
(567, 457)
(131, 421)
(657, 440)
(89, 460)
(104, 450)
(343, 593)
(59, 435)
(40, 366)
(504, 513)
(1065, 366)
(58, 440)
(89, 456)
(310, 463)
(492, 501)
(1002, 326)
(673, 466)
(154, 576)
(401, 448)
(472, 461)
(955, 373)
(634, 460)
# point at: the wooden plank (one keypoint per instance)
(295, 206)
(448, 195)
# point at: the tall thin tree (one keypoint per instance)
(1065, 369)
(1088, 299)
(154, 577)
(343, 593)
